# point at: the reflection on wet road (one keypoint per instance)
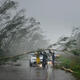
(24, 72)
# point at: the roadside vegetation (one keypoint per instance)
(5, 60)
(70, 45)
(70, 64)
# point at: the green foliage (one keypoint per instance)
(4, 59)
(76, 69)
(65, 62)
(76, 52)
(77, 74)
(71, 64)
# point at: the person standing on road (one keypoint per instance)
(44, 60)
(37, 58)
(53, 56)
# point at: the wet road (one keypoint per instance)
(24, 72)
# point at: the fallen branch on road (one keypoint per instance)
(68, 70)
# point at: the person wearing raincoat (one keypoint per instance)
(37, 58)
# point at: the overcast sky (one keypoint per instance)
(57, 17)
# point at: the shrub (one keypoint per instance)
(76, 52)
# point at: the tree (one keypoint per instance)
(72, 42)
(14, 26)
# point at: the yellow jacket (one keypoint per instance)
(38, 60)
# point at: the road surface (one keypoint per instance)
(24, 72)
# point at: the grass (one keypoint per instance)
(71, 64)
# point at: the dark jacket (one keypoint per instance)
(53, 57)
(44, 57)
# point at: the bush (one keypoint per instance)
(76, 52)
(71, 64)
(64, 62)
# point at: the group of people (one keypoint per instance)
(45, 58)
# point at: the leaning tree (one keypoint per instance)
(14, 25)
